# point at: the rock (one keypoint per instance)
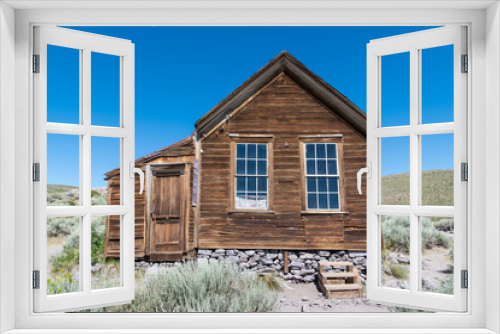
(357, 253)
(260, 252)
(231, 252)
(309, 278)
(254, 258)
(307, 272)
(324, 253)
(305, 308)
(282, 300)
(316, 302)
(342, 253)
(307, 256)
(296, 265)
(387, 270)
(250, 252)
(305, 299)
(215, 255)
(297, 278)
(204, 252)
(242, 254)
(233, 259)
(391, 260)
(244, 265)
(287, 277)
(429, 284)
(292, 257)
(272, 256)
(326, 268)
(336, 301)
(220, 251)
(403, 259)
(252, 264)
(266, 261)
(265, 270)
(449, 269)
(242, 259)
(295, 272)
(202, 261)
(393, 283)
(404, 285)
(360, 261)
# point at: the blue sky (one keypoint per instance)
(182, 72)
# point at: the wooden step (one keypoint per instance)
(339, 275)
(338, 287)
(329, 263)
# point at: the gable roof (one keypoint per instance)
(285, 63)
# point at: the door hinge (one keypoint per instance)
(464, 171)
(36, 63)
(36, 172)
(464, 274)
(465, 64)
(36, 279)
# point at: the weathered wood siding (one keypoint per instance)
(287, 112)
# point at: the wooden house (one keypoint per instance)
(272, 166)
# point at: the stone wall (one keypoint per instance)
(302, 265)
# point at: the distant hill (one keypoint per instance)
(437, 188)
(58, 188)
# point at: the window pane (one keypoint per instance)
(395, 168)
(311, 167)
(332, 167)
(63, 255)
(105, 157)
(322, 187)
(251, 184)
(252, 200)
(240, 150)
(262, 151)
(240, 167)
(310, 151)
(240, 183)
(262, 167)
(63, 170)
(320, 151)
(395, 90)
(437, 85)
(105, 90)
(312, 202)
(261, 200)
(437, 254)
(323, 201)
(395, 252)
(437, 169)
(251, 167)
(333, 184)
(63, 85)
(311, 184)
(240, 200)
(262, 184)
(331, 151)
(334, 201)
(251, 150)
(321, 167)
(105, 270)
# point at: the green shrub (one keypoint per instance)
(444, 224)
(272, 280)
(62, 284)
(61, 226)
(99, 200)
(396, 234)
(398, 271)
(200, 288)
(70, 254)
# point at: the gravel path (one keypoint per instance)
(303, 297)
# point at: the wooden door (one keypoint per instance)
(167, 215)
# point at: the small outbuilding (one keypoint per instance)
(272, 166)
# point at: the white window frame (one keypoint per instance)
(236, 175)
(85, 43)
(306, 175)
(484, 211)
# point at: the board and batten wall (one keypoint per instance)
(284, 111)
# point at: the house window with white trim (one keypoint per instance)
(251, 176)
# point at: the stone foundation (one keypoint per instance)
(303, 265)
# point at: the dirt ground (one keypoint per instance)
(301, 297)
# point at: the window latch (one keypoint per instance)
(139, 171)
(36, 279)
(368, 171)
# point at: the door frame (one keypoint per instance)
(185, 179)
